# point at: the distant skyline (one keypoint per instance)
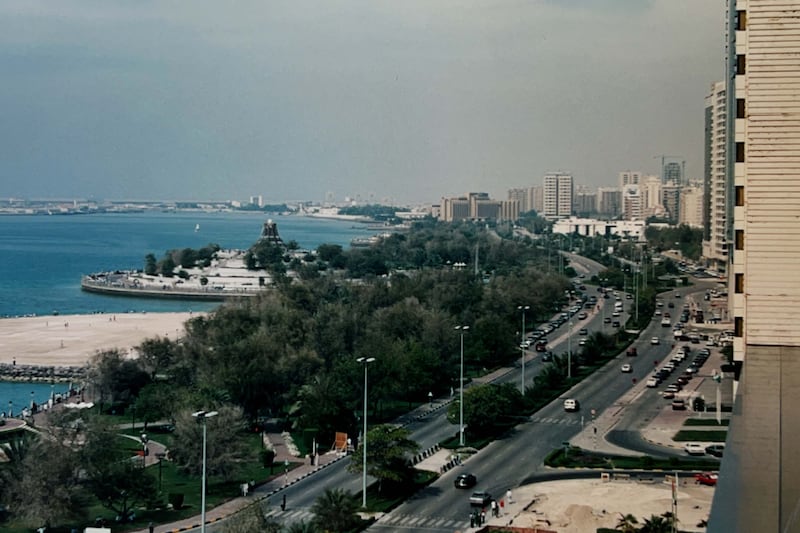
(404, 101)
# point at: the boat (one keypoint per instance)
(196, 228)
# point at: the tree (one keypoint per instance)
(118, 483)
(657, 524)
(626, 523)
(388, 448)
(225, 448)
(336, 512)
(487, 408)
(115, 377)
(47, 489)
(150, 265)
(156, 401)
(251, 519)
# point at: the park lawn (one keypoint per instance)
(705, 422)
(711, 435)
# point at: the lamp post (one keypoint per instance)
(10, 409)
(461, 330)
(523, 308)
(365, 361)
(201, 417)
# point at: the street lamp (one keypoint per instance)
(365, 361)
(201, 417)
(461, 330)
(523, 308)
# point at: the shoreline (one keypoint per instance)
(72, 340)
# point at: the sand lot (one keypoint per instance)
(579, 506)
(71, 340)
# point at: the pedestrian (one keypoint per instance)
(494, 508)
(508, 497)
(151, 527)
(502, 506)
(472, 519)
(483, 517)
(283, 503)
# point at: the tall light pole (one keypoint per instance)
(461, 330)
(201, 417)
(523, 308)
(569, 340)
(365, 361)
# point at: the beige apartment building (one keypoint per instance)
(759, 486)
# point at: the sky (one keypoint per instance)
(403, 101)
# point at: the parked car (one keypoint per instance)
(678, 404)
(583, 331)
(615, 324)
(652, 382)
(668, 394)
(480, 498)
(465, 481)
(694, 448)
(717, 450)
(581, 316)
(607, 320)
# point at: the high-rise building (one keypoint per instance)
(529, 198)
(691, 210)
(651, 193)
(609, 202)
(759, 482)
(585, 203)
(631, 202)
(629, 178)
(478, 206)
(671, 200)
(558, 191)
(715, 248)
(537, 198)
(673, 171)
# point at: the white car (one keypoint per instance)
(655, 340)
(652, 382)
(694, 448)
(571, 404)
(626, 368)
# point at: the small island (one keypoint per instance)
(208, 274)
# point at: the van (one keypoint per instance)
(571, 404)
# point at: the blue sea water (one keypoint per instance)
(42, 259)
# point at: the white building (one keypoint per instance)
(715, 246)
(632, 202)
(629, 177)
(558, 192)
(691, 211)
(591, 227)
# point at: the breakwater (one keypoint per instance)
(41, 374)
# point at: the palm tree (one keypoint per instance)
(335, 512)
(656, 524)
(626, 523)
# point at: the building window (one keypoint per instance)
(739, 192)
(738, 326)
(741, 20)
(739, 284)
(740, 152)
(740, 65)
(740, 109)
(739, 239)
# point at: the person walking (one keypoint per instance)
(508, 497)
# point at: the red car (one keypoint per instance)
(706, 478)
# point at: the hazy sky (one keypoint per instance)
(408, 100)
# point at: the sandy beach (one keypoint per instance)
(71, 340)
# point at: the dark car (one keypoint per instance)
(547, 357)
(716, 450)
(615, 324)
(465, 481)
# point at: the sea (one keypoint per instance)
(43, 257)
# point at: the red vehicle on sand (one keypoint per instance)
(706, 478)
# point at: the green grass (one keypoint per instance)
(578, 458)
(705, 422)
(686, 435)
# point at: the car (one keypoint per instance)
(694, 448)
(682, 380)
(626, 368)
(615, 313)
(716, 450)
(615, 324)
(668, 394)
(581, 316)
(632, 352)
(547, 357)
(582, 342)
(658, 312)
(480, 498)
(677, 295)
(706, 478)
(678, 404)
(679, 357)
(704, 351)
(607, 320)
(655, 340)
(525, 344)
(541, 346)
(665, 322)
(571, 405)
(673, 388)
(465, 481)
(652, 382)
(583, 331)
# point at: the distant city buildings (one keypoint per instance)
(478, 206)
(558, 192)
(257, 201)
(589, 227)
(691, 210)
